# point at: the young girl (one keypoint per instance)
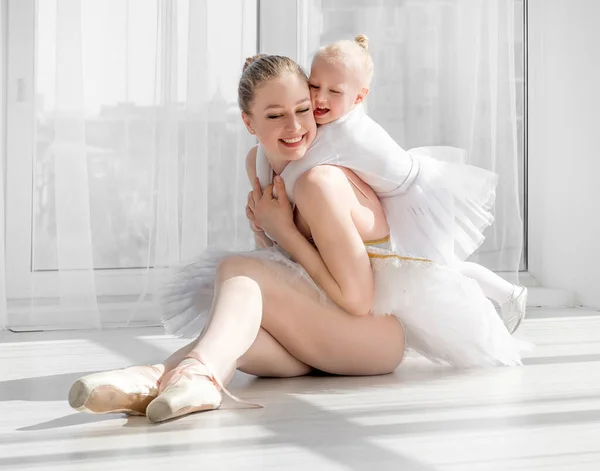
(436, 210)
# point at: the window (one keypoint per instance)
(447, 72)
(113, 106)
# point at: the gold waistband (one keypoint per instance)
(378, 241)
(399, 257)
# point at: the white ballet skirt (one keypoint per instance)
(445, 314)
(436, 208)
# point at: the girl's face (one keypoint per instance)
(334, 89)
(282, 118)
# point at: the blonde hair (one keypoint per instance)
(339, 51)
(259, 69)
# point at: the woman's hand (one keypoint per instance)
(251, 217)
(270, 214)
(260, 238)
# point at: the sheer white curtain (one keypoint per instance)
(447, 72)
(125, 147)
(138, 154)
(3, 316)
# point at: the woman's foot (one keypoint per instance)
(513, 309)
(191, 387)
(128, 391)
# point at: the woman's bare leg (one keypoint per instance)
(316, 333)
(130, 390)
(249, 347)
(268, 359)
(251, 294)
(265, 358)
(298, 332)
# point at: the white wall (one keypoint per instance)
(564, 146)
(3, 36)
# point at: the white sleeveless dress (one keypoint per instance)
(436, 208)
(446, 316)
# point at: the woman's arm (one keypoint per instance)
(341, 265)
(261, 240)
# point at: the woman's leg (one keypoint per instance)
(265, 358)
(317, 333)
(254, 293)
(130, 390)
(268, 359)
(298, 330)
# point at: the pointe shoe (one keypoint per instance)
(128, 391)
(189, 388)
(513, 309)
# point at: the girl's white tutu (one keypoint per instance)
(446, 316)
(442, 214)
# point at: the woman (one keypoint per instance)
(315, 298)
(269, 316)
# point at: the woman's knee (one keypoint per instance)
(236, 265)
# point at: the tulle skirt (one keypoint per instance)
(445, 314)
(443, 214)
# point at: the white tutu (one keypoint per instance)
(187, 298)
(441, 216)
(446, 316)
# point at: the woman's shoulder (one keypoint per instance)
(321, 176)
(322, 182)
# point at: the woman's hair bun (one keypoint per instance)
(250, 60)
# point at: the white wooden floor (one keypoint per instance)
(543, 416)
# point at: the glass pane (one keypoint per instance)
(140, 152)
(114, 99)
(426, 87)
